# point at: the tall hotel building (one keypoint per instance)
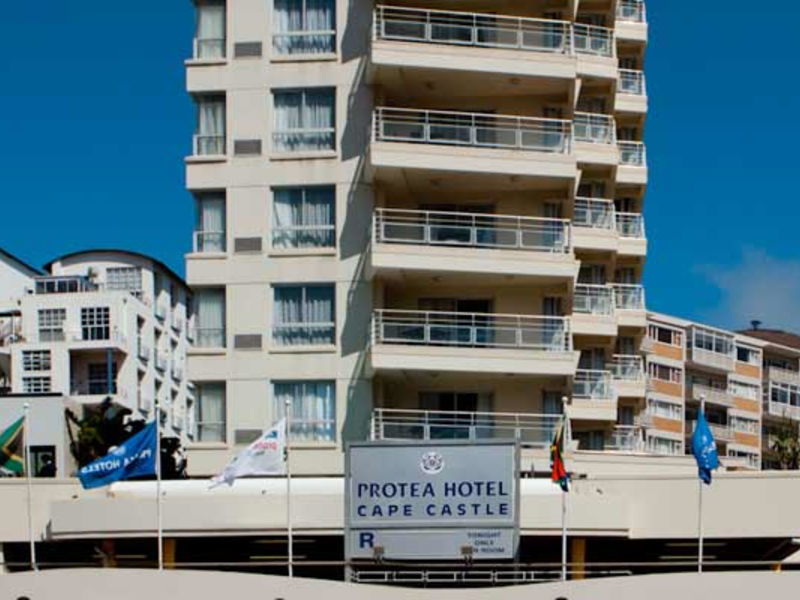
(415, 219)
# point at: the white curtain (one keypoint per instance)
(210, 318)
(211, 125)
(304, 315)
(211, 412)
(304, 120)
(287, 214)
(211, 30)
(211, 224)
(313, 409)
(298, 208)
(318, 116)
(293, 19)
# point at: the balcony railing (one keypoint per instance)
(208, 145)
(594, 212)
(591, 39)
(631, 10)
(632, 154)
(94, 387)
(209, 241)
(472, 29)
(631, 81)
(630, 225)
(304, 43)
(626, 367)
(209, 48)
(471, 330)
(625, 438)
(721, 433)
(472, 129)
(593, 299)
(471, 230)
(592, 385)
(64, 284)
(712, 395)
(532, 430)
(595, 128)
(628, 296)
(783, 375)
(781, 409)
(207, 337)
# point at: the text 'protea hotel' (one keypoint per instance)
(418, 221)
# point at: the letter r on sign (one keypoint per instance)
(366, 540)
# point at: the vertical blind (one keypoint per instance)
(304, 315)
(313, 409)
(303, 217)
(304, 120)
(304, 27)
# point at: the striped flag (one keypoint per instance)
(559, 474)
(12, 448)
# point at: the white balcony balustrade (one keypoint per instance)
(209, 48)
(532, 430)
(626, 367)
(630, 225)
(590, 384)
(472, 130)
(631, 81)
(209, 241)
(712, 395)
(593, 299)
(625, 438)
(591, 39)
(628, 296)
(207, 337)
(208, 145)
(471, 230)
(631, 10)
(632, 154)
(64, 284)
(781, 375)
(594, 213)
(472, 29)
(471, 330)
(782, 409)
(594, 128)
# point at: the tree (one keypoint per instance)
(787, 447)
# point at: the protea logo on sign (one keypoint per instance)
(417, 501)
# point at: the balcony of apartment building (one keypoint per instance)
(713, 394)
(782, 399)
(631, 93)
(93, 377)
(597, 226)
(461, 242)
(625, 439)
(629, 304)
(628, 375)
(631, 23)
(469, 342)
(632, 167)
(593, 397)
(711, 349)
(209, 46)
(593, 310)
(595, 138)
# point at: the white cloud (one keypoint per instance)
(759, 287)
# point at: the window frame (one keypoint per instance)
(304, 31)
(50, 324)
(280, 148)
(307, 325)
(278, 411)
(303, 189)
(36, 360)
(199, 422)
(96, 322)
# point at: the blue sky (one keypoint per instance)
(95, 121)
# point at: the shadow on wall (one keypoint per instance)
(358, 415)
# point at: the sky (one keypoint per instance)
(96, 122)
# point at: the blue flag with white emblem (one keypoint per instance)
(704, 449)
(135, 457)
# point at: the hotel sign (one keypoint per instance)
(432, 501)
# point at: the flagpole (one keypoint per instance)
(289, 532)
(564, 438)
(159, 532)
(26, 449)
(700, 505)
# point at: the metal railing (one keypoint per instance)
(592, 384)
(783, 375)
(64, 284)
(533, 430)
(628, 296)
(632, 154)
(593, 299)
(595, 128)
(627, 367)
(310, 42)
(472, 129)
(472, 29)
(208, 145)
(304, 236)
(625, 438)
(781, 409)
(471, 230)
(209, 48)
(209, 337)
(592, 39)
(209, 241)
(471, 330)
(593, 212)
(712, 395)
(95, 387)
(630, 225)
(631, 81)
(631, 10)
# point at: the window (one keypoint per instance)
(210, 306)
(304, 315)
(750, 458)
(209, 138)
(36, 360)
(43, 461)
(51, 324)
(711, 341)
(304, 27)
(101, 379)
(784, 393)
(209, 233)
(666, 410)
(303, 217)
(210, 412)
(748, 355)
(660, 445)
(210, 34)
(304, 120)
(313, 409)
(35, 385)
(664, 335)
(744, 425)
(664, 372)
(124, 278)
(743, 390)
(95, 323)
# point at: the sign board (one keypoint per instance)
(432, 501)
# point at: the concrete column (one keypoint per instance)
(169, 553)
(577, 557)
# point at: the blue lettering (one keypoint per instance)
(366, 540)
(373, 490)
(449, 488)
(431, 510)
(392, 510)
(446, 510)
(407, 512)
(428, 491)
(389, 490)
(361, 510)
(362, 488)
(462, 510)
(503, 509)
(502, 489)
(465, 488)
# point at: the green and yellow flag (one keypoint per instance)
(12, 448)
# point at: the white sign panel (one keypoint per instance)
(437, 544)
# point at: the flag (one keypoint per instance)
(265, 456)
(704, 449)
(559, 474)
(135, 457)
(12, 448)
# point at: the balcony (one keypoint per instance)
(780, 375)
(632, 163)
(596, 51)
(531, 430)
(631, 20)
(631, 94)
(781, 410)
(628, 374)
(207, 242)
(408, 340)
(630, 305)
(593, 220)
(64, 284)
(209, 49)
(721, 433)
(718, 360)
(161, 310)
(472, 142)
(437, 39)
(456, 242)
(625, 438)
(95, 391)
(208, 145)
(595, 138)
(712, 395)
(593, 396)
(632, 239)
(593, 310)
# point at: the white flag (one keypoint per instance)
(265, 456)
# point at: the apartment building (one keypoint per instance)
(99, 325)
(410, 212)
(16, 276)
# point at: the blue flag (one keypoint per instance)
(704, 449)
(136, 456)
